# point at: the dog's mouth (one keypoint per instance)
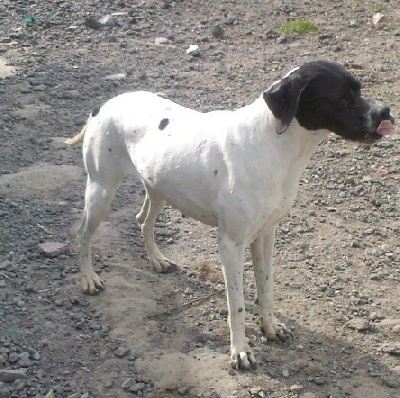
(384, 129)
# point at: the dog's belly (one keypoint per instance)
(191, 198)
(195, 211)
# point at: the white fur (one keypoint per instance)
(224, 168)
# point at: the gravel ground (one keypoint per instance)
(337, 254)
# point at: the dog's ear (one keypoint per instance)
(283, 98)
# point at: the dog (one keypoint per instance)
(237, 170)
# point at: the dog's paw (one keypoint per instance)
(276, 330)
(243, 359)
(163, 265)
(91, 284)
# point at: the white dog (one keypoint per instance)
(237, 170)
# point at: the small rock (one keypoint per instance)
(5, 264)
(285, 373)
(161, 41)
(391, 348)
(131, 385)
(3, 283)
(24, 359)
(8, 375)
(137, 387)
(377, 277)
(256, 391)
(319, 380)
(218, 31)
(308, 395)
(50, 394)
(358, 324)
(13, 357)
(392, 381)
(71, 94)
(122, 351)
(107, 20)
(115, 76)
(378, 19)
(93, 23)
(193, 50)
(296, 388)
(53, 249)
(388, 323)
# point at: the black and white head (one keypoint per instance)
(324, 95)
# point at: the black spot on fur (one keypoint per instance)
(240, 309)
(164, 123)
(95, 111)
(215, 172)
(109, 150)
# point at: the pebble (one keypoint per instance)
(24, 359)
(107, 20)
(122, 351)
(296, 388)
(53, 249)
(161, 41)
(256, 392)
(8, 375)
(93, 23)
(115, 76)
(392, 381)
(285, 373)
(391, 348)
(358, 324)
(218, 31)
(71, 94)
(193, 50)
(131, 385)
(308, 395)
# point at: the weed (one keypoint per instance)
(381, 7)
(298, 26)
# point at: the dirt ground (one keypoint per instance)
(337, 254)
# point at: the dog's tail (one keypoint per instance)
(79, 137)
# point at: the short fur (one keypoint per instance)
(237, 170)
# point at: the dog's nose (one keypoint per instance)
(385, 114)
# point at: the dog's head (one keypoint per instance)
(324, 95)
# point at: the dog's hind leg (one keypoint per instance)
(146, 218)
(261, 254)
(98, 198)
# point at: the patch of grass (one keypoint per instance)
(381, 7)
(301, 26)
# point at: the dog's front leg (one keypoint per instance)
(261, 253)
(232, 259)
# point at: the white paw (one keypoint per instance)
(91, 283)
(243, 359)
(163, 265)
(276, 330)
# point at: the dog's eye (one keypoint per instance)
(345, 102)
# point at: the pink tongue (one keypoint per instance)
(385, 127)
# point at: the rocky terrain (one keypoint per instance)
(147, 335)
